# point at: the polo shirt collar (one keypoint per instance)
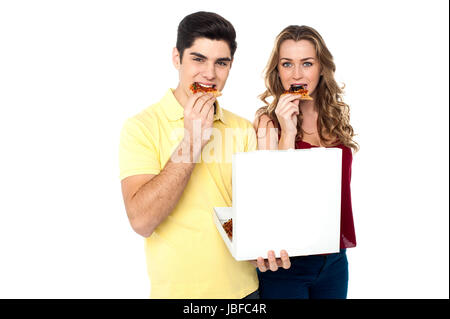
(174, 111)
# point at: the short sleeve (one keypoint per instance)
(138, 152)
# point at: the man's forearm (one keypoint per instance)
(156, 199)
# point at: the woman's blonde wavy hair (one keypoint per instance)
(333, 113)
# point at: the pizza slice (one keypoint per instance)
(299, 89)
(228, 226)
(198, 87)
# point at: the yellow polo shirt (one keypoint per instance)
(186, 257)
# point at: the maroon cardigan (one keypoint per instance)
(348, 238)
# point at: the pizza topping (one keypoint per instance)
(198, 87)
(299, 89)
(228, 226)
(205, 88)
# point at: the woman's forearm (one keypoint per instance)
(287, 141)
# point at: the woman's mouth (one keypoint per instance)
(298, 86)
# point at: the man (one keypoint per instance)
(169, 189)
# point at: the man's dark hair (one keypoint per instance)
(208, 25)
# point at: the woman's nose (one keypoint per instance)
(298, 72)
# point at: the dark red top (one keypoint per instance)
(348, 238)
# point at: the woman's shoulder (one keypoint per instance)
(346, 150)
(266, 132)
(263, 121)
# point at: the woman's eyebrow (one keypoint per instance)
(308, 58)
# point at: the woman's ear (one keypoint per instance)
(176, 58)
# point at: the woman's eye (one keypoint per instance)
(307, 64)
(286, 64)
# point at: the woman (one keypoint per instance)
(301, 57)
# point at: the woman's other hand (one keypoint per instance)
(271, 262)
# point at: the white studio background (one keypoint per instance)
(71, 72)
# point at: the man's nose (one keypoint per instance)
(209, 72)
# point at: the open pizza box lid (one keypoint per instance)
(287, 200)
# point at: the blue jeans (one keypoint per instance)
(310, 277)
(253, 295)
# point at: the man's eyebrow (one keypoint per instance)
(199, 55)
(300, 60)
(223, 59)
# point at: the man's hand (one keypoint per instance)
(271, 262)
(198, 120)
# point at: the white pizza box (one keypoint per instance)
(287, 200)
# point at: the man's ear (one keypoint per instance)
(176, 58)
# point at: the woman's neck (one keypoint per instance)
(308, 110)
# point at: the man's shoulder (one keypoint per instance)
(148, 117)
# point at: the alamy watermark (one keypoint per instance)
(221, 145)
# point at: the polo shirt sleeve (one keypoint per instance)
(138, 152)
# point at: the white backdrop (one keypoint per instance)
(71, 72)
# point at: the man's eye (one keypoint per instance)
(198, 59)
(221, 63)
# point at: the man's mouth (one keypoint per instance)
(212, 86)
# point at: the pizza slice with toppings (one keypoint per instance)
(299, 89)
(199, 87)
(228, 227)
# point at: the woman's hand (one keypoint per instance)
(287, 111)
(271, 262)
